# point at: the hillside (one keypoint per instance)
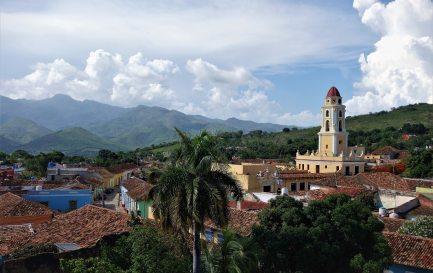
(21, 130)
(72, 141)
(7, 145)
(417, 113)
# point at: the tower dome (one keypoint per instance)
(333, 92)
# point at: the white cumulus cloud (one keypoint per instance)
(400, 69)
(236, 92)
(105, 78)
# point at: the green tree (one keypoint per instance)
(422, 226)
(419, 164)
(147, 249)
(191, 190)
(340, 233)
(236, 254)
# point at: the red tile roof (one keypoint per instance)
(240, 221)
(14, 205)
(120, 168)
(137, 188)
(411, 250)
(392, 224)
(333, 92)
(13, 238)
(84, 226)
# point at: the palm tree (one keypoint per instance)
(236, 254)
(191, 189)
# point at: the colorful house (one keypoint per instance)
(133, 197)
(63, 200)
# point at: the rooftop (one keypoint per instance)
(333, 92)
(14, 205)
(240, 221)
(411, 250)
(14, 237)
(137, 188)
(120, 168)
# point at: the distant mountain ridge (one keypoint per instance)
(31, 125)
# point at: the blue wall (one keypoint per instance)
(403, 269)
(59, 199)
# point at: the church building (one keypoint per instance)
(333, 154)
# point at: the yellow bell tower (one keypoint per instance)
(333, 135)
(333, 155)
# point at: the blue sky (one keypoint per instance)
(267, 61)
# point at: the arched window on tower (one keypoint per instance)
(340, 127)
(327, 113)
(327, 126)
(340, 114)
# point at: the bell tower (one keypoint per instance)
(333, 135)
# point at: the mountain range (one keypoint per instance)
(84, 127)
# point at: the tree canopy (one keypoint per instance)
(336, 234)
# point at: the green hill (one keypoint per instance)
(416, 113)
(71, 141)
(21, 130)
(7, 145)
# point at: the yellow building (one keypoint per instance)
(247, 174)
(333, 154)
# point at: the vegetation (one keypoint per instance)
(236, 254)
(147, 249)
(422, 226)
(337, 234)
(420, 164)
(32, 250)
(190, 190)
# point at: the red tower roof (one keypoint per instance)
(333, 92)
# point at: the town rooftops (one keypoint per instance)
(120, 168)
(14, 237)
(84, 226)
(240, 221)
(137, 188)
(14, 205)
(411, 250)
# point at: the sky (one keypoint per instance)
(266, 61)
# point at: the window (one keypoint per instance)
(356, 169)
(308, 166)
(347, 170)
(327, 113)
(326, 166)
(339, 101)
(317, 168)
(327, 126)
(340, 114)
(293, 187)
(302, 166)
(53, 177)
(340, 141)
(72, 204)
(337, 168)
(278, 191)
(267, 188)
(326, 146)
(340, 126)
(302, 186)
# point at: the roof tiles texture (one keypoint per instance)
(84, 226)
(137, 188)
(14, 205)
(240, 221)
(411, 250)
(13, 238)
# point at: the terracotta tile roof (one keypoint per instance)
(325, 192)
(392, 224)
(411, 250)
(14, 237)
(14, 205)
(422, 210)
(137, 188)
(84, 226)
(387, 150)
(120, 168)
(240, 221)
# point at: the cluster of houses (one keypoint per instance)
(63, 209)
